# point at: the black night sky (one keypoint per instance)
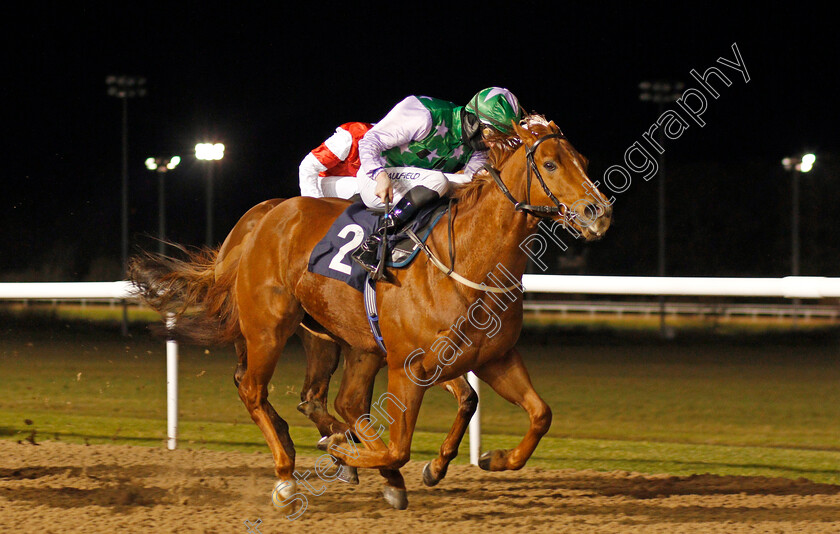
(272, 83)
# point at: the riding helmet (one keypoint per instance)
(496, 107)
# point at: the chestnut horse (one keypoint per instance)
(423, 310)
(322, 355)
(170, 285)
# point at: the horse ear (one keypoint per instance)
(528, 137)
(554, 127)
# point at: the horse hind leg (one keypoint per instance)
(509, 378)
(253, 390)
(467, 398)
(242, 361)
(322, 355)
(265, 338)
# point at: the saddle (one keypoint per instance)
(401, 248)
(331, 256)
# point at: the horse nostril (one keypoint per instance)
(592, 212)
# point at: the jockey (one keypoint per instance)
(408, 157)
(337, 157)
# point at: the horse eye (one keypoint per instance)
(550, 166)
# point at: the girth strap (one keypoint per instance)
(370, 310)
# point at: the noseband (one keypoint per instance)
(559, 208)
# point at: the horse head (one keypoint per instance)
(556, 185)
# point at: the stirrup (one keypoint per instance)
(365, 255)
(369, 264)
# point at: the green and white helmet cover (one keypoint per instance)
(496, 107)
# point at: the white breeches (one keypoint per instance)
(341, 186)
(403, 179)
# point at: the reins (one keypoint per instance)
(451, 273)
(559, 208)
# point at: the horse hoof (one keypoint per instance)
(336, 441)
(283, 497)
(283, 489)
(305, 408)
(322, 443)
(396, 497)
(348, 474)
(428, 478)
(491, 460)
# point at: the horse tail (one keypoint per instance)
(202, 302)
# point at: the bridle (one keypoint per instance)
(559, 208)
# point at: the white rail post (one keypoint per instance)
(475, 423)
(171, 387)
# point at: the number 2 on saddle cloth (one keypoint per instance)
(331, 256)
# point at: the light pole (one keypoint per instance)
(162, 166)
(796, 166)
(125, 87)
(210, 152)
(660, 93)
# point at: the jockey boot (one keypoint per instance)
(402, 212)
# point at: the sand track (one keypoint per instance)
(58, 487)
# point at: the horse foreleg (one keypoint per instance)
(467, 398)
(404, 399)
(354, 398)
(509, 378)
(321, 362)
(357, 380)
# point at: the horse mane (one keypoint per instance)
(502, 147)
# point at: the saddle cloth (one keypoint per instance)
(331, 256)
